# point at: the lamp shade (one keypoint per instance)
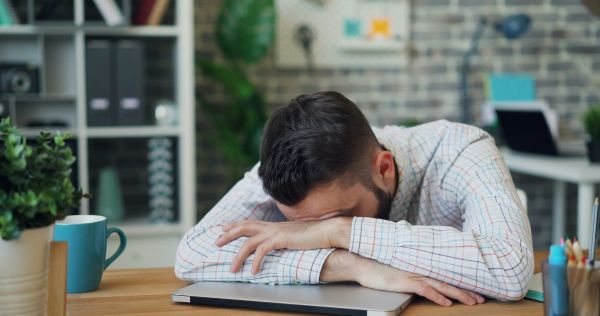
(513, 26)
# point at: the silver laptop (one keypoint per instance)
(337, 299)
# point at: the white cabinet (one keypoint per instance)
(58, 50)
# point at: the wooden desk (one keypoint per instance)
(148, 292)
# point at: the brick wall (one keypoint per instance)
(561, 50)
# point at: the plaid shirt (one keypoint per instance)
(455, 217)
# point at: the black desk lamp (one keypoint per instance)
(511, 27)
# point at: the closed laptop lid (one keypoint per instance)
(341, 299)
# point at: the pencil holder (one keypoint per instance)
(580, 293)
(556, 295)
(584, 291)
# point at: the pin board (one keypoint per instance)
(342, 33)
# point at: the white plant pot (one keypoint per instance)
(24, 272)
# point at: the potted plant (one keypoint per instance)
(244, 32)
(35, 191)
(591, 120)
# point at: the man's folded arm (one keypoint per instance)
(492, 255)
(199, 259)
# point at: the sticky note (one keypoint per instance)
(381, 27)
(352, 27)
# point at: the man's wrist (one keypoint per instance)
(340, 266)
(339, 231)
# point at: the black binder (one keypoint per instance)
(129, 82)
(4, 108)
(98, 83)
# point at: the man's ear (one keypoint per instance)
(384, 169)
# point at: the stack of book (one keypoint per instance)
(150, 12)
(147, 12)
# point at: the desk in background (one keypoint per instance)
(576, 170)
(148, 292)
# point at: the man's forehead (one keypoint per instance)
(323, 199)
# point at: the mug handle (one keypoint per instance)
(122, 244)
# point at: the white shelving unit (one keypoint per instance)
(148, 244)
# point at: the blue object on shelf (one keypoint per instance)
(109, 200)
(511, 87)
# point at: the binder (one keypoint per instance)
(98, 77)
(4, 108)
(129, 82)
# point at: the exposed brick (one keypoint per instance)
(539, 49)
(451, 86)
(422, 103)
(580, 17)
(558, 33)
(583, 49)
(575, 82)
(424, 19)
(560, 65)
(431, 3)
(523, 2)
(468, 3)
(551, 83)
(565, 2)
(431, 68)
(592, 99)
(431, 35)
(520, 67)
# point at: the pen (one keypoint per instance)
(592, 250)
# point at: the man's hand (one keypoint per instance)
(344, 266)
(298, 235)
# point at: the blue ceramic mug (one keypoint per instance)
(86, 237)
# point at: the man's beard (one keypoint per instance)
(384, 201)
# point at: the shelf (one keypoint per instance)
(32, 132)
(138, 228)
(372, 45)
(49, 98)
(149, 31)
(107, 132)
(141, 31)
(132, 131)
(59, 49)
(35, 30)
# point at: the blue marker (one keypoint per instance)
(559, 295)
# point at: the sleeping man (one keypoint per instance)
(430, 210)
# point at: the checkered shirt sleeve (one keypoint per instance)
(199, 259)
(491, 255)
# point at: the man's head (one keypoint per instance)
(320, 159)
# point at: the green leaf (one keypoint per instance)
(232, 80)
(591, 120)
(246, 29)
(35, 183)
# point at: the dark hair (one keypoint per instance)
(313, 140)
